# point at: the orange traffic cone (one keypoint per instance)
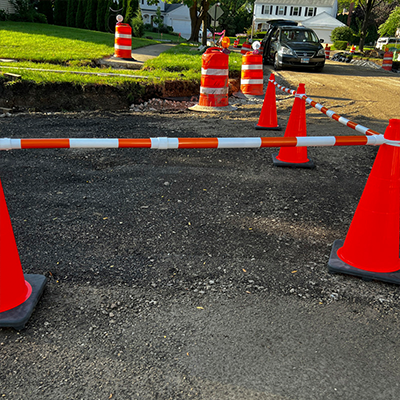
(18, 293)
(371, 248)
(295, 156)
(268, 118)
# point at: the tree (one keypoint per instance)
(72, 6)
(158, 19)
(46, 7)
(60, 12)
(198, 13)
(131, 8)
(366, 15)
(90, 15)
(80, 14)
(102, 6)
(237, 16)
(389, 27)
(137, 24)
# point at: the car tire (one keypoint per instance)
(277, 67)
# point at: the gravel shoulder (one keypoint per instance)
(197, 273)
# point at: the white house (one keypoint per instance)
(296, 10)
(175, 15)
(6, 6)
(322, 24)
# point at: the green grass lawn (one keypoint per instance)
(52, 43)
(51, 47)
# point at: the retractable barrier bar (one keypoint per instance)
(331, 114)
(163, 143)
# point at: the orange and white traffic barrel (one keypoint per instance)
(214, 86)
(236, 42)
(252, 76)
(245, 48)
(387, 61)
(327, 52)
(123, 40)
(353, 49)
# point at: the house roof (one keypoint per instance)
(172, 7)
(301, 3)
(322, 20)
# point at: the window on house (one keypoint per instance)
(294, 10)
(266, 9)
(280, 10)
(310, 11)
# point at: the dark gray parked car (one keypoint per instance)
(288, 45)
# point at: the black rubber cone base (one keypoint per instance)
(264, 128)
(336, 265)
(121, 58)
(310, 164)
(18, 316)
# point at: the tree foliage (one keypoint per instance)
(367, 16)
(137, 24)
(90, 14)
(80, 14)
(389, 27)
(342, 33)
(60, 12)
(46, 7)
(72, 6)
(158, 19)
(131, 8)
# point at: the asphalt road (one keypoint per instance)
(191, 274)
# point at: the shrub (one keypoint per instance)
(166, 29)
(46, 7)
(259, 35)
(342, 33)
(340, 45)
(25, 12)
(3, 15)
(137, 24)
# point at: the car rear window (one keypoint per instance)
(298, 35)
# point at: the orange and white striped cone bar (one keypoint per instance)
(214, 86)
(165, 143)
(330, 113)
(377, 218)
(252, 76)
(19, 293)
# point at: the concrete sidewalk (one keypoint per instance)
(139, 56)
